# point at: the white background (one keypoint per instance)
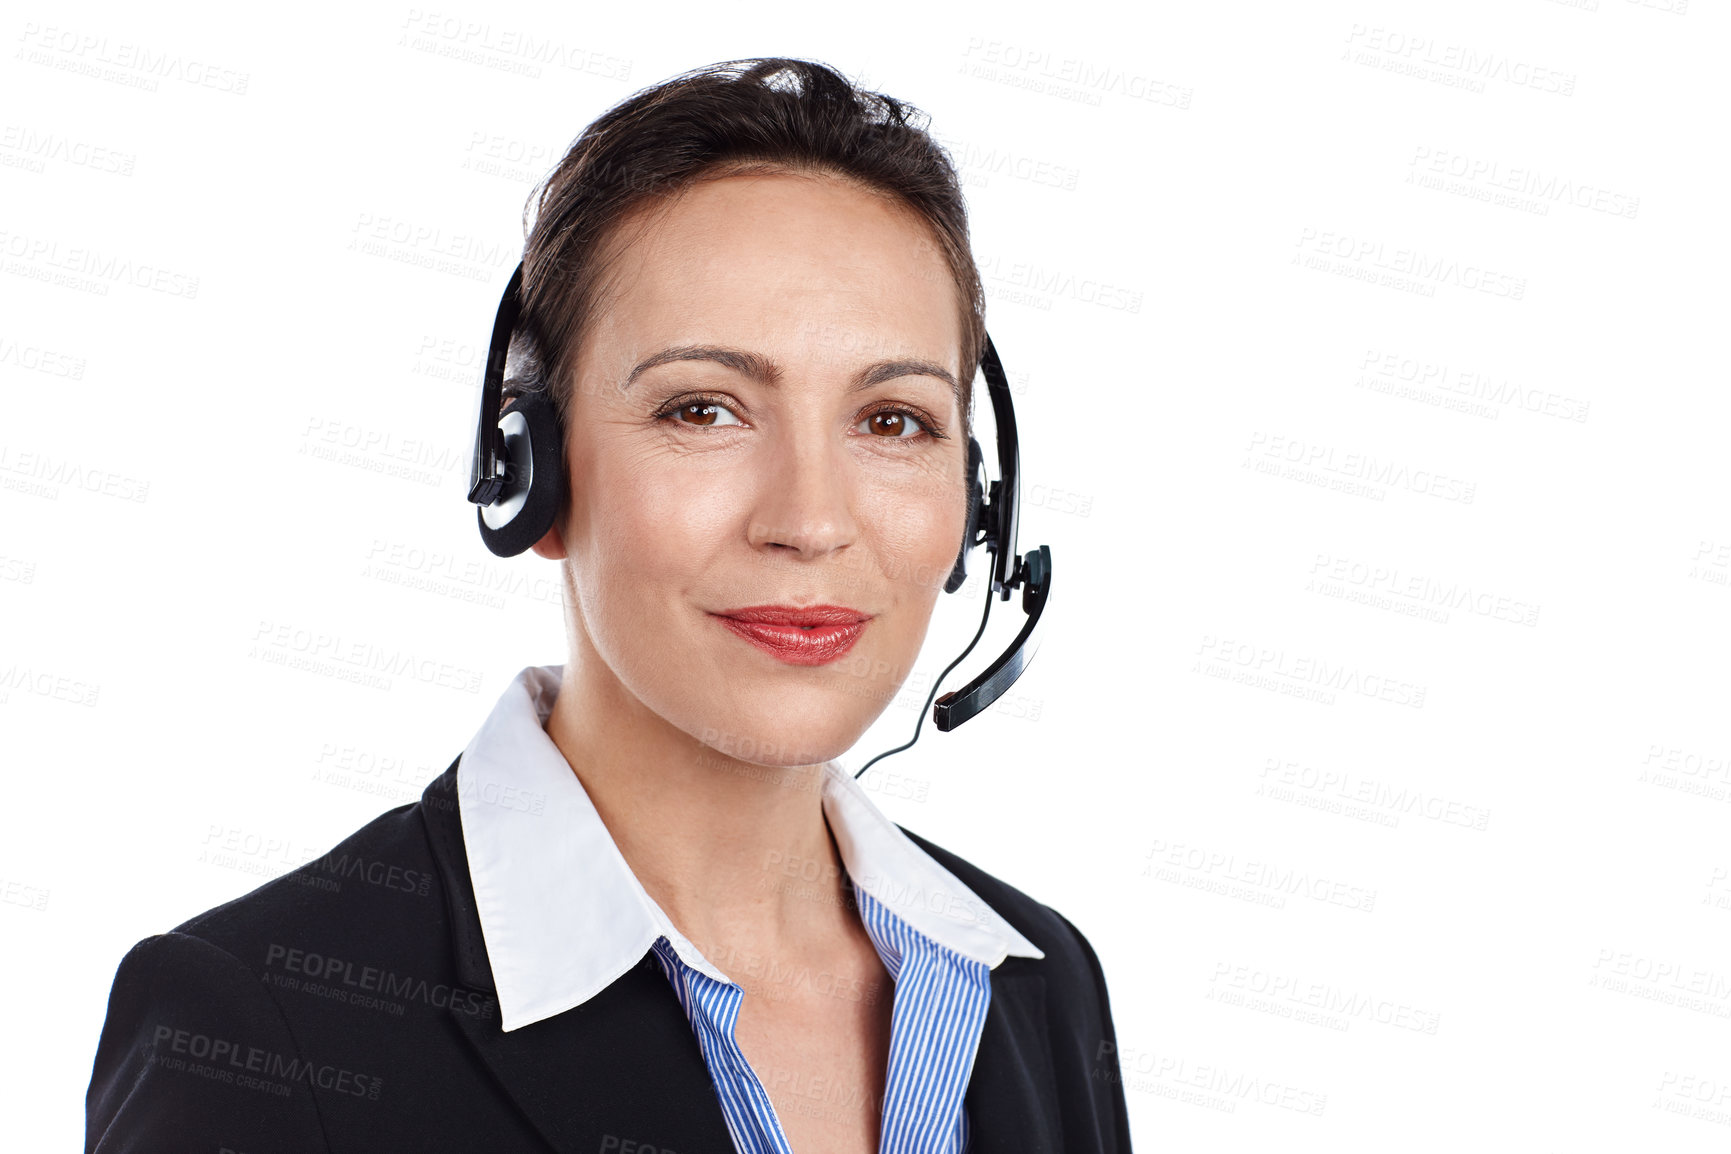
(1369, 362)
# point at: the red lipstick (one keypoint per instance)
(815, 635)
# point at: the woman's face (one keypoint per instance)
(764, 414)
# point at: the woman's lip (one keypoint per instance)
(794, 644)
(808, 617)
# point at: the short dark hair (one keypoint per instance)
(772, 114)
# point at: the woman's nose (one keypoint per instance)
(805, 498)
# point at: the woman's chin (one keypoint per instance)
(784, 729)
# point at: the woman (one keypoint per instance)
(645, 910)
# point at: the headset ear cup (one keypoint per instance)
(534, 477)
(976, 471)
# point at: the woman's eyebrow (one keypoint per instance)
(766, 372)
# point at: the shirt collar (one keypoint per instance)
(564, 917)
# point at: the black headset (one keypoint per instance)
(518, 482)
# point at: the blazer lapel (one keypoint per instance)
(1012, 1097)
(622, 1067)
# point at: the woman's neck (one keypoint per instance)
(739, 855)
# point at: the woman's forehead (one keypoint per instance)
(815, 266)
(791, 224)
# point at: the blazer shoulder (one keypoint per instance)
(195, 1053)
(380, 880)
(200, 1040)
(1067, 951)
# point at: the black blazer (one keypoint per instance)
(348, 1006)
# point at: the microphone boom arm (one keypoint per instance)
(1035, 575)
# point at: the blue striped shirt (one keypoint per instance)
(935, 1023)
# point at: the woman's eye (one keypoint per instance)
(887, 424)
(704, 413)
(893, 425)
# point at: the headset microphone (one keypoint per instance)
(517, 480)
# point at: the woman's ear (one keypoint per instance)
(551, 545)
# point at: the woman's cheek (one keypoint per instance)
(920, 528)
